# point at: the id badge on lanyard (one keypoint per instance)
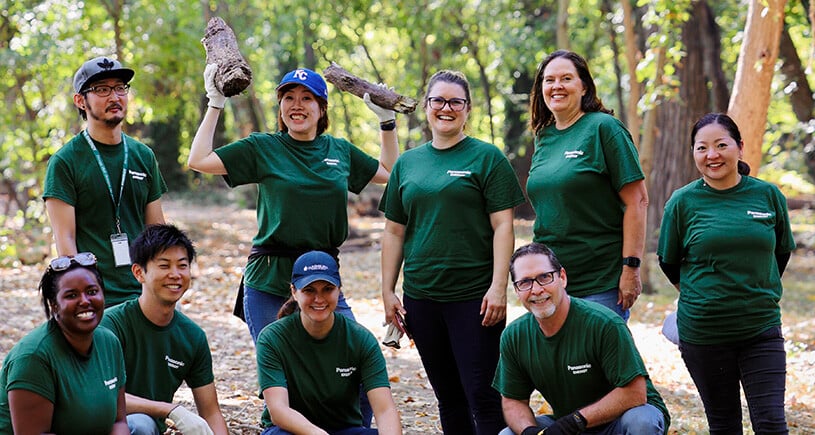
(121, 249)
(118, 240)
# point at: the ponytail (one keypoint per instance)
(288, 307)
(744, 168)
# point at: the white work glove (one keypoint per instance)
(187, 422)
(383, 114)
(216, 98)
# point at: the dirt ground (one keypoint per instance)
(223, 238)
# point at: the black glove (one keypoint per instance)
(571, 424)
(533, 430)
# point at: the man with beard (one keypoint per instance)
(103, 187)
(578, 354)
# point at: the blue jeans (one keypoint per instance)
(274, 430)
(609, 299)
(640, 420)
(141, 424)
(260, 309)
(759, 364)
(460, 357)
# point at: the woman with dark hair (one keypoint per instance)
(586, 185)
(449, 211)
(729, 318)
(67, 376)
(312, 362)
(303, 176)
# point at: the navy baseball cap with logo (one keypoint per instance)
(311, 80)
(315, 266)
(100, 68)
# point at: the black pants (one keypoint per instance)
(759, 364)
(460, 357)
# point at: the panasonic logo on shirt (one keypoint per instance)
(454, 173)
(111, 383)
(173, 364)
(579, 370)
(331, 162)
(572, 154)
(758, 214)
(346, 371)
(137, 175)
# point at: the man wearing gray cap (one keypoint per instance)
(103, 187)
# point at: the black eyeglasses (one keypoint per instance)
(104, 91)
(438, 103)
(524, 285)
(61, 263)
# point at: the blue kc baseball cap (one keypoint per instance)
(315, 266)
(311, 80)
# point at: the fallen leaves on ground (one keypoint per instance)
(223, 237)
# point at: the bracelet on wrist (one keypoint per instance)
(387, 125)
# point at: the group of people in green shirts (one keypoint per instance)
(449, 234)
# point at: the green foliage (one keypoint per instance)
(497, 44)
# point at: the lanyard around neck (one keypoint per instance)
(105, 174)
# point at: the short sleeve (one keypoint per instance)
(669, 247)
(59, 183)
(31, 373)
(240, 159)
(511, 380)
(391, 203)
(502, 190)
(622, 158)
(363, 169)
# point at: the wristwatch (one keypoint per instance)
(631, 261)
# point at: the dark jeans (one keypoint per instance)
(759, 363)
(460, 357)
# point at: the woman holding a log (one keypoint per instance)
(449, 211)
(303, 177)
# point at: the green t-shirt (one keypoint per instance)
(84, 390)
(725, 242)
(592, 354)
(159, 358)
(573, 186)
(73, 176)
(302, 195)
(444, 198)
(323, 377)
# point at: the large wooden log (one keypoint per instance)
(345, 81)
(221, 46)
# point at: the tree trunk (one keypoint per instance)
(520, 143)
(795, 78)
(605, 9)
(750, 99)
(563, 24)
(674, 118)
(632, 57)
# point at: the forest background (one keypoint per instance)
(660, 64)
